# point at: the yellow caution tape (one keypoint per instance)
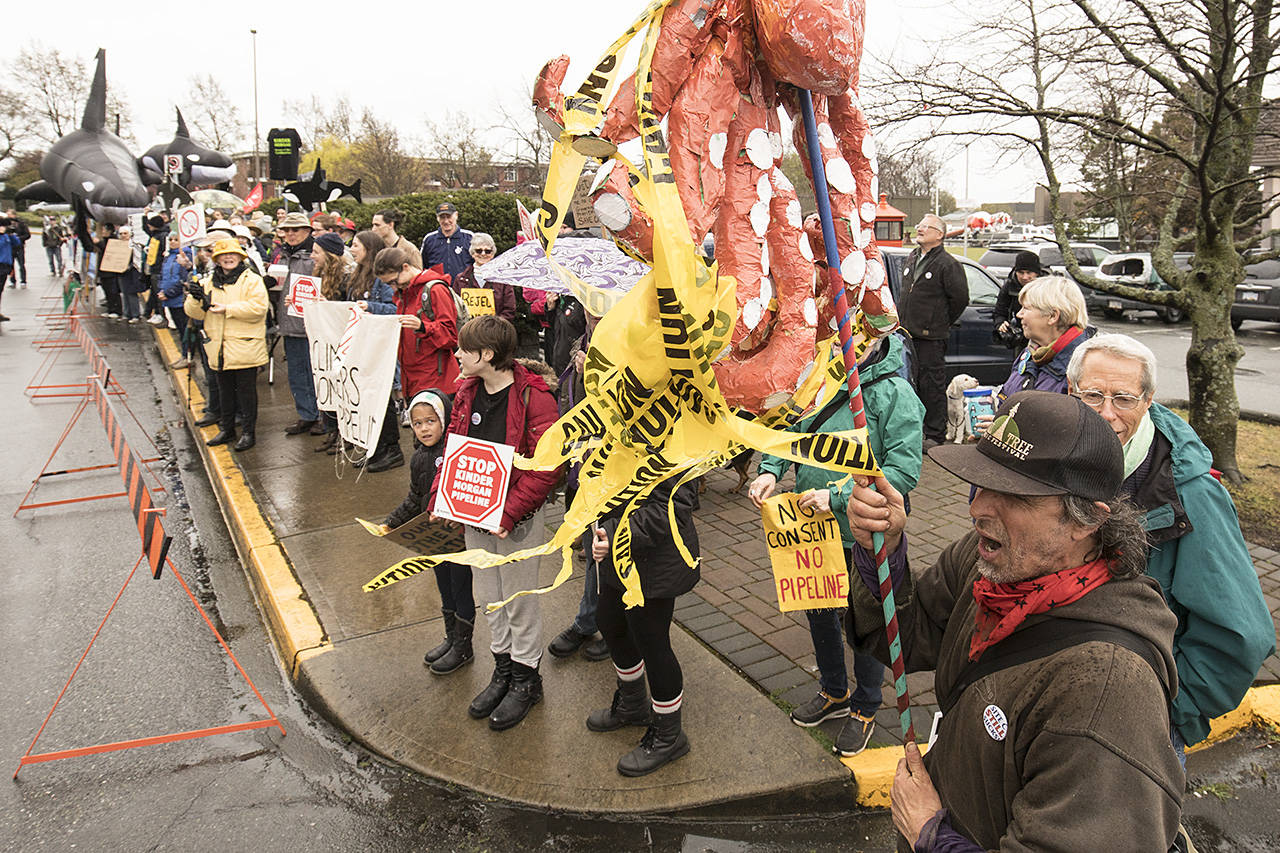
(653, 409)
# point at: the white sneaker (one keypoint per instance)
(404, 419)
(158, 320)
(133, 320)
(113, 316)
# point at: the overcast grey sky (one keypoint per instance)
(406, 61)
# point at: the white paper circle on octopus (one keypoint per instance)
(759, 151)
(715, 149)
(853, 268)
(806, 251)
(810, 312)
(760, 218)
(867, 211)
(840, 176)
(752, 312)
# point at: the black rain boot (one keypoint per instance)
(525, 692)
(489, 698)
(459, 653)
(450, 623)
(224, 436)
(664, 741)
(630, 707)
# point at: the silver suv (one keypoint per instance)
(998, 259)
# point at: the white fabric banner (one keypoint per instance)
(353, 362)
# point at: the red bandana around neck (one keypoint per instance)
(1002, 607)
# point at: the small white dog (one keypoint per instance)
(957, 415)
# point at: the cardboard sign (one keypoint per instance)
(353, 361)
(473, 481)
(479, 300)
(116, 256)
(421, 535)
(190, 224)
(809, 571)
(303, 291)
(584, 211)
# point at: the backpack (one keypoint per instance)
(458, 304)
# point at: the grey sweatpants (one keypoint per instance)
(517, 628)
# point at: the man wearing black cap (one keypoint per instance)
(449, 246)
(1052, 651)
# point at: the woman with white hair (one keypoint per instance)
(504, 295)
(1055, 322)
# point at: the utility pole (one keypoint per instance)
(257, 164)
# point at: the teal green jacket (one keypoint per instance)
(895, 424)
(1200, 560)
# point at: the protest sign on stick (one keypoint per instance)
(190, 221)
(353, 359)
(809, 571)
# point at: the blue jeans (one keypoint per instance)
(129, 302)
(828, 648)
(585, 622)
(297, 352)
(1179, 746)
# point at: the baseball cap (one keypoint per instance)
(1041, 443)
(446, 207)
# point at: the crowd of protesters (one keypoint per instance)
(1102, 611)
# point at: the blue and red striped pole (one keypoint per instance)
(836, 283)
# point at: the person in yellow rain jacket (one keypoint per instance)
(232, 302)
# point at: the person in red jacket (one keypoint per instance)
(428, 319)
(500, 400)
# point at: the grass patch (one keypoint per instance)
(815, 732)
(1257, 499)
(1221, 790)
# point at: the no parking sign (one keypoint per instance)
(190, 221)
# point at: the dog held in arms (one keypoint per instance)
(958, 428)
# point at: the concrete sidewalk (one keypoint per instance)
(358, 656)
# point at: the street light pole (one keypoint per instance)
(257, 164)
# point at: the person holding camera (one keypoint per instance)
(1007, 327)
(233, 308)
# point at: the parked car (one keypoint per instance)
(970, 349)
(1258, 296)
(998, 259)
(1136, 270)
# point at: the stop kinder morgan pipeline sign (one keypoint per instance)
(473, 481)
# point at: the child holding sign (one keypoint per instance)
(895, 423)
(428, 414)
(639, 639)
(500, 400)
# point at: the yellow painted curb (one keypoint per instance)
(291, 620)
(873, 769)
(1260, 705)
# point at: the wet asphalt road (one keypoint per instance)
(156, 669)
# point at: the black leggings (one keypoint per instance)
(238, 394)
(641, 633)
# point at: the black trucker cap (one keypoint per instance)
(1041, 443)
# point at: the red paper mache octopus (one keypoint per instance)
(721, 70)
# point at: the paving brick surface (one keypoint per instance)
(774, 650)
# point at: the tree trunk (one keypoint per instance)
(1213, 355)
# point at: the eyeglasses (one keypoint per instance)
(482, 251)
(1124, 402)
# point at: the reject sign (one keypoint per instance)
(479, 300)
(809, 571)
(473, 481)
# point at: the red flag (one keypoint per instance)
(254, 198)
